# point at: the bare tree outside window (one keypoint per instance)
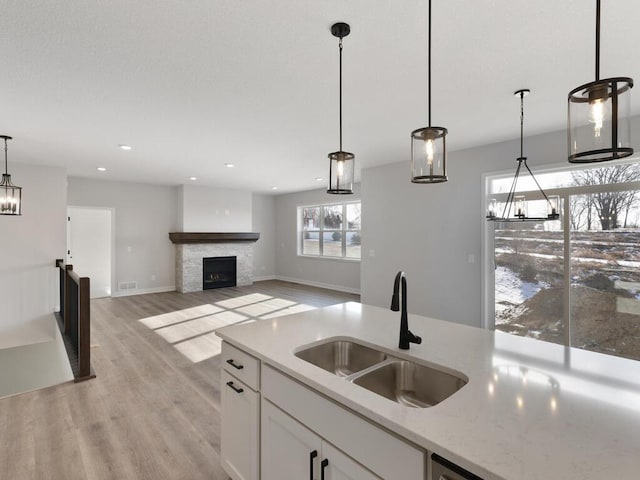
(611, 208)
(602, 279)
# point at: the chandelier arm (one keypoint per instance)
(512, 192)
(537, 184)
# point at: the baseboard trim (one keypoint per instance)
(143, 291)
(328, 286)
(263, 278)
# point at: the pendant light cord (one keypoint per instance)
(429, 66)
(597, 40)
(340, 47)
(522, 124)
(6, 168)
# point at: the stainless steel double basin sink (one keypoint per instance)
(402, 381)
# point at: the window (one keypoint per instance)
(330, 230)
(574, 281)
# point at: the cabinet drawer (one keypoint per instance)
(241, 365)
(240, 429)
(381, 452)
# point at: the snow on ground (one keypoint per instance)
(511, 290)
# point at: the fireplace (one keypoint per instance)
(218, 272)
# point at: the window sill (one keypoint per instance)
(335, 259)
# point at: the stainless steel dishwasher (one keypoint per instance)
(443, 469)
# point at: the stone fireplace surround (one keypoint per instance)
(192, 247)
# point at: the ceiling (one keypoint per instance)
(192, 85)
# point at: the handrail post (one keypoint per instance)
(84, 332)
(67, 298)
(61, 276)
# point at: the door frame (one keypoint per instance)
(112, 280)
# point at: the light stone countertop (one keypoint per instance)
(531, 409)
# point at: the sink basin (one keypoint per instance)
(411, 384)
(341, 357)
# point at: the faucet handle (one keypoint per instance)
(414, 338)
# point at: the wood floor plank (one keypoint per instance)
(151, 413)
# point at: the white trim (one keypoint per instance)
(263, 278)
(143, 291)
(328, 286)
(339, 259)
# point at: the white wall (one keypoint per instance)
(144, 216)
(30, 244)
(430, 231)
(264, 250)
(206, 209)
(323, 272)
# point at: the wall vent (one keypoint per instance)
(127, 285)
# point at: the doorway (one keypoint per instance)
(89, 246)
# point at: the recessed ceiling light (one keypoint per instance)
(274, 188)
(125, 147)
(193, 179)
(319, 179)
(102, 169)
(229, 165)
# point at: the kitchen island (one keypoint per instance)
(529, 410)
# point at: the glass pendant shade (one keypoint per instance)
(10, 197)
(10, 194)
(341, 164)
(341, 170)
(429, 155)
(599, 128)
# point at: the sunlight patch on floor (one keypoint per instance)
(243, 300)
(192, 331)
(178, 316)
(198, 326)
(200, 348)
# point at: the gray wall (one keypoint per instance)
(144, 216)
(263, 222)
(430, 231)
(30, 244)
(323, 272)
(206, 209)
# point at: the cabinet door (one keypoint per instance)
(289, 450)
(341, 467)
(239, 433)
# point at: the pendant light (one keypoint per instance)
(10, 194)
(341, 164)
(515, 209)
(428, 148)
(598, 119)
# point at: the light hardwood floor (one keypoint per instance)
(151, 413)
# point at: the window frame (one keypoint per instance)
(321, 230)
(565, 193)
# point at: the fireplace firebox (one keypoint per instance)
(218, 272)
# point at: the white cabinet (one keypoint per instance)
(240, 432)
(290, 450)
(341, 467)
(276, 428)
(378, 450)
